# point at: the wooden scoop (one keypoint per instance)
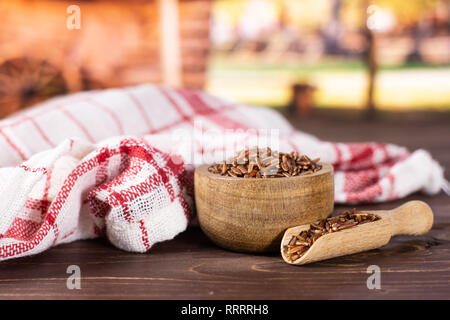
(412, 218)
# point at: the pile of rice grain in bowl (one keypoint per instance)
(265, 163)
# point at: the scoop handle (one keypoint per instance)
(412, 218)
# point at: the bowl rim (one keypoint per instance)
(203, 169)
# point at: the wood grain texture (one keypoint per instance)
(192, 267)
(411, 218)
(251, 215)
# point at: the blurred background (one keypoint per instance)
(300, 56)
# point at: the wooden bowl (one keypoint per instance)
(251, 215)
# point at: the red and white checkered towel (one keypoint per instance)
(119, 162)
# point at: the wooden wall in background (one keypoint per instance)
(119, 43)
(195, 44)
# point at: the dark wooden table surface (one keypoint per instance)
(191, 267)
